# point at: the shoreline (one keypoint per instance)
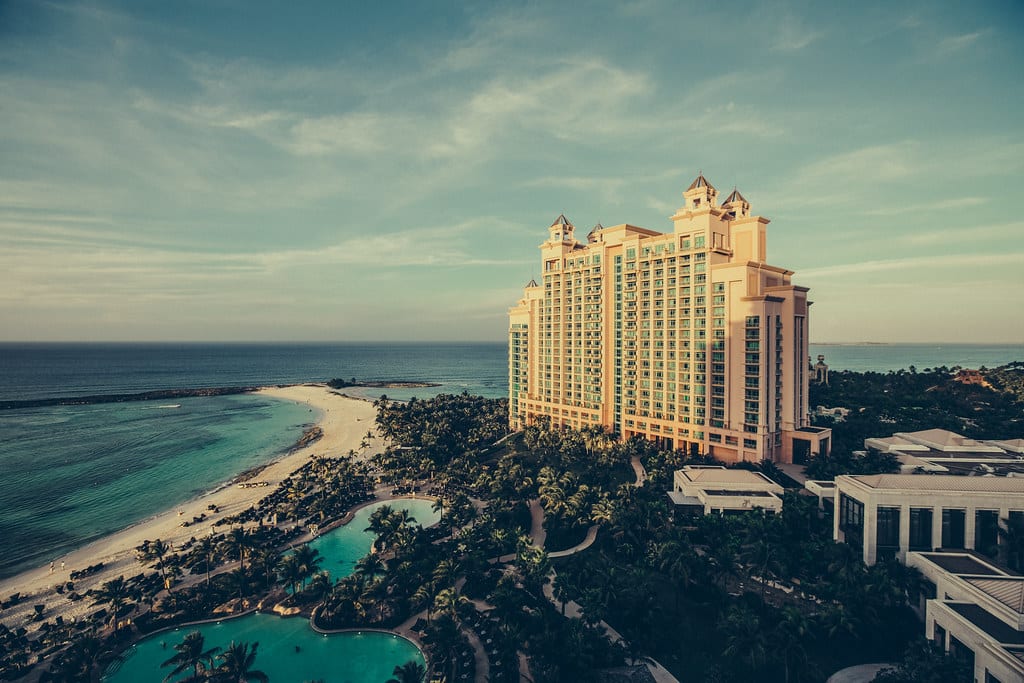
(343, 422)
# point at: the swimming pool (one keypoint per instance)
(290, 650)
(341, 548)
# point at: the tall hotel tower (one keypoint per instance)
(686, 337)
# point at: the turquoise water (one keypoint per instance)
(367, 657)
(886, 357)
(72, 474)
(344, 546)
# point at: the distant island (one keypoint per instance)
(385, 384)
(865, 343)
(158, 395)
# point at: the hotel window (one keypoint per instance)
(888, 531)
(921, 529)
(939, 637)
(986, 532)
(851, 519)
(961, 652)
(953, 528)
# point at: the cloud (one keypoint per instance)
(927, 207)
(792, 35)
(914, 262)
(953, 44)
(358, 133)
(972, 234)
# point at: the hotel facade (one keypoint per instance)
(689, 337)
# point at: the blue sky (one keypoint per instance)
(384, 171)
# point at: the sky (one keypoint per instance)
(228, 170)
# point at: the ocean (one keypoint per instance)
(72, 474)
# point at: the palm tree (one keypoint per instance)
(83, 661)
(114, 593)
(191, 655)
(320, 585)
(309, 560)
(290, 569)
(370, 566)
(743, 635)
(236, 664)
(206, 550)
(238, 542)
(789, 641)
(410, 672)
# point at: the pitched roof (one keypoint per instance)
(942, 437)
(562, 220)
(735, 197)
(532, 283)
(1007, 590)
(701, 181)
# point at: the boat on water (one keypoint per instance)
(171, 405)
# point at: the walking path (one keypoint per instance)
(571, 608)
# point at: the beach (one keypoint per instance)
(343, 421)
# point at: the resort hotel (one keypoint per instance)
(688, 337)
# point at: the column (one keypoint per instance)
(904, 532)
(970, 517)
(936, 526)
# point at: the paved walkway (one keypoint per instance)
(862, 673)
(638, 469)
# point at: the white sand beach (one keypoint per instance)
(344, 421)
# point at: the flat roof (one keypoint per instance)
(961, 564)
(736, 493)
(998, 630)
(939, 482)
(711, 476)
(933, 454)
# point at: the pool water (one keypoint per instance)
(289, 650)
(368, 657)
(344, 546)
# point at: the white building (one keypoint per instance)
(975, 612)
(892, 514)
(717, 489)
(942, 451)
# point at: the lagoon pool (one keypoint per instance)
(367, 657)
(341, 548)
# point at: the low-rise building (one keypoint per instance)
(892, 514)
(944, 452)
(975, 612)
(713, 488)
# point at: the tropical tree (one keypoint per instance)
(115, 593)
(309, 561)
(191, 655)
(238, 542)
(84, 660)
(410, 672)
(290, 571)
(235, 665)
(370, 566)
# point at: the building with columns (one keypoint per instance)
(688, 337)
(889, 515)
